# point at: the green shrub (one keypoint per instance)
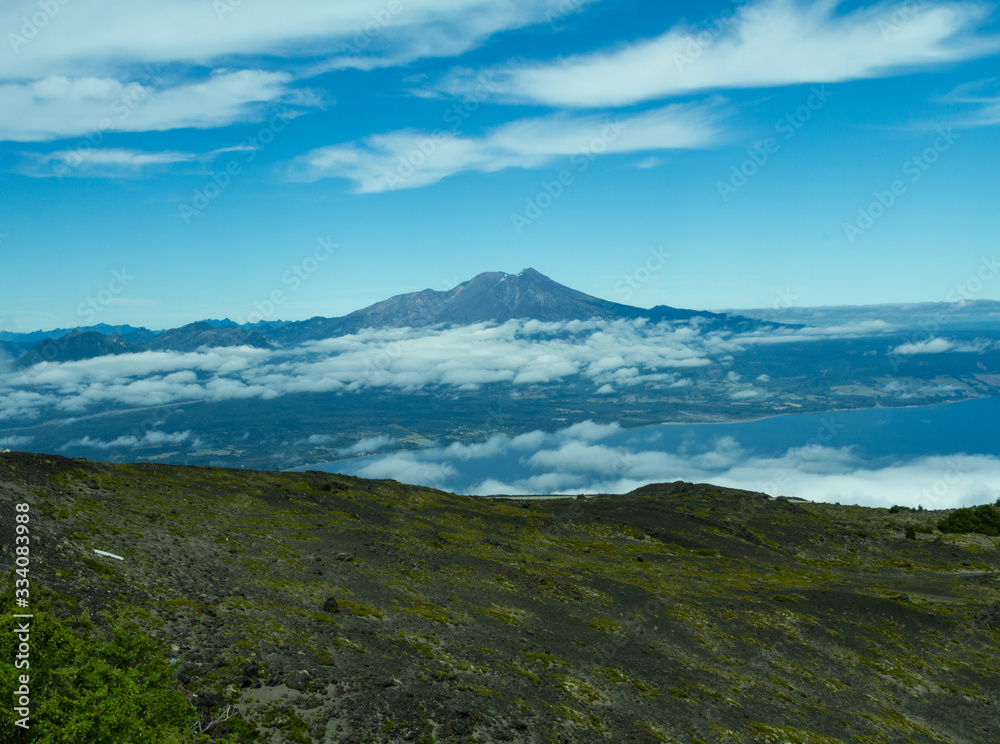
(911, 532)
(91, 685)
(984, 520)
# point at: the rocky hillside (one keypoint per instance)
(322, 608)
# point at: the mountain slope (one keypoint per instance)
(492, 296)
(76, 346)
(488, 297)
(196, 335)
(325, 608)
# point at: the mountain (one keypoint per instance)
(36, 336)
(492, 296)
(489, 297)
(140, 336)
(14, 349)
(75, 346)
(313, 607)
(196, 335)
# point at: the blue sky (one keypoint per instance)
(166, 162)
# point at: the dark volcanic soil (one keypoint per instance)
(328, 609)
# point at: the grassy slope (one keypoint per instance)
(677, 613)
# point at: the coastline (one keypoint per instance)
(319, 465)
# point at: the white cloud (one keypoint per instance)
(405, 467)
(13, 441)
(149, 439)
(651, 162)
(411, 159)
(360, 33)
(59, 107)
(930, 346)
(619, 354)
(767, 43)
(983, 97)
(588, 431)
(368, 444)
(943, 345)
(110, 162)
(562, 463)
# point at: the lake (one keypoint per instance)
(935, 456)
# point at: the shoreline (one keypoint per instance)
(315, 466)
(814, 413)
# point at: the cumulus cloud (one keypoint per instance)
(411, 159)
(765, 44)
(786, 334)
(111, 162)
(149, 439)
(361, 33)
(318, 439)
(59, 106)
(570, 462)
(14, 441)
(941, 346)
(368, 444)
(610, 356)
(407, 468)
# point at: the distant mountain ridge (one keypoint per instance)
(76, 346)
(491, 296)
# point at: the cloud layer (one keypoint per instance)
(610, 356)
(590, 458)
(95, 37)
(769, 43)
(58, 107)
(410, 159)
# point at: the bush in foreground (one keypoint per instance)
(93, 685)
(984, 520)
